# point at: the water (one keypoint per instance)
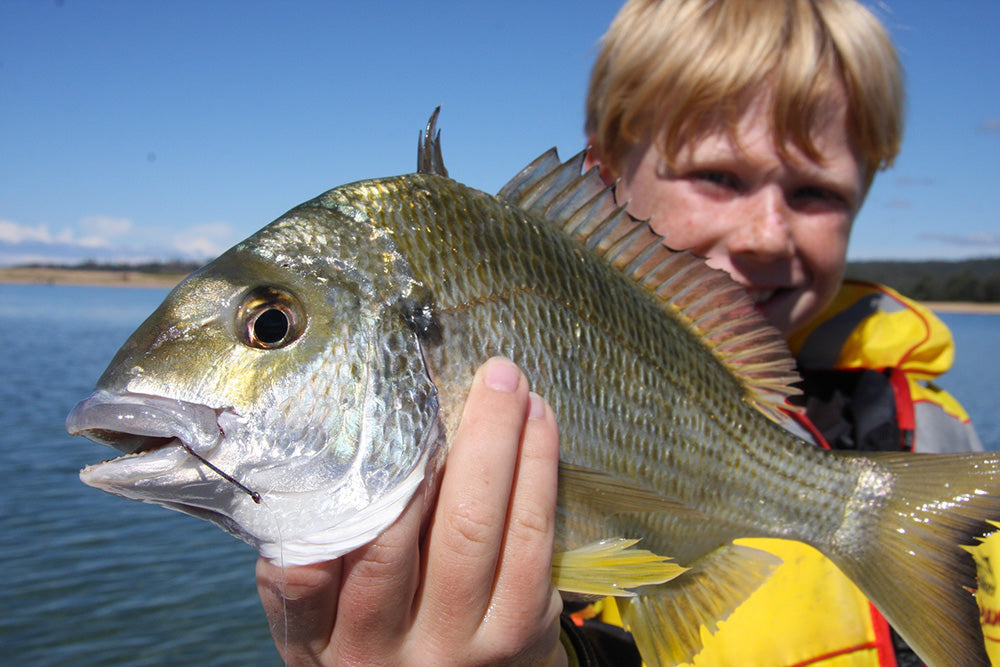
(975, 378)
(90, 579)
(94, 580)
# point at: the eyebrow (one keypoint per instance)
(848, 187)
(718, 153)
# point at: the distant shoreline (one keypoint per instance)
(87, 277)
(99, 278)
(966, 307)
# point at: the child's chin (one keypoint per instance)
(786, 311)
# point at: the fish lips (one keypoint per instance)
(152, 432)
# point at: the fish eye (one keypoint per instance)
(271, 326)
(269, 318)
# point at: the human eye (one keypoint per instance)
(813, 196)
(716, 178)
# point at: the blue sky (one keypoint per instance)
(137, 130)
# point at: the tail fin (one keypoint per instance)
(911, 564)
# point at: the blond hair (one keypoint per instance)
(669, 70)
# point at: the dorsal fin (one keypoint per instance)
(429, 160)
(707, 300)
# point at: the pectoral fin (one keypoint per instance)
(610, 567)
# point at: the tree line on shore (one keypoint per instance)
(172, 267)
(972, 280)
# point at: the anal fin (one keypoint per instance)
(667, 621)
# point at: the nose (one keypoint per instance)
(764, 232)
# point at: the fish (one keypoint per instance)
(299, 389)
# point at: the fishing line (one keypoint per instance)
(220, 473)
(284, 588)
(277, 527)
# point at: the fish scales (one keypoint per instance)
(504, 283)
(297, 391)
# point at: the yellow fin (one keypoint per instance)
(667, 621)
(611, 567)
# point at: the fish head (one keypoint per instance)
(279, 391)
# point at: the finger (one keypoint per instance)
(525, 607)
(465, 536)
(300, 603)
(344, 605)
(377, 592)
(524, 572)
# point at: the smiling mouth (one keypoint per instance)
(762, 296)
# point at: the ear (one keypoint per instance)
(594, 158)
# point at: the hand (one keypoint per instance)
(475, 588)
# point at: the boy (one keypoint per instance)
(749, 132)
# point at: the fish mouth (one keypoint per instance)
(164, 442)
(129, 443)
(142, 423)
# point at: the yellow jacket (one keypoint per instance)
(871, 331)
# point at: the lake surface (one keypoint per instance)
(90, 579)
(95, 580)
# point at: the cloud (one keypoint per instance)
(989, 126)
(14, 233)
(105, 238)
(204, 241)
(99, 231)
(899, 203)
(91, 232)
(979, 239)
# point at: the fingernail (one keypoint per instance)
(536, 406)
(501, 374)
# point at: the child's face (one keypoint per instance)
(779, 227)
